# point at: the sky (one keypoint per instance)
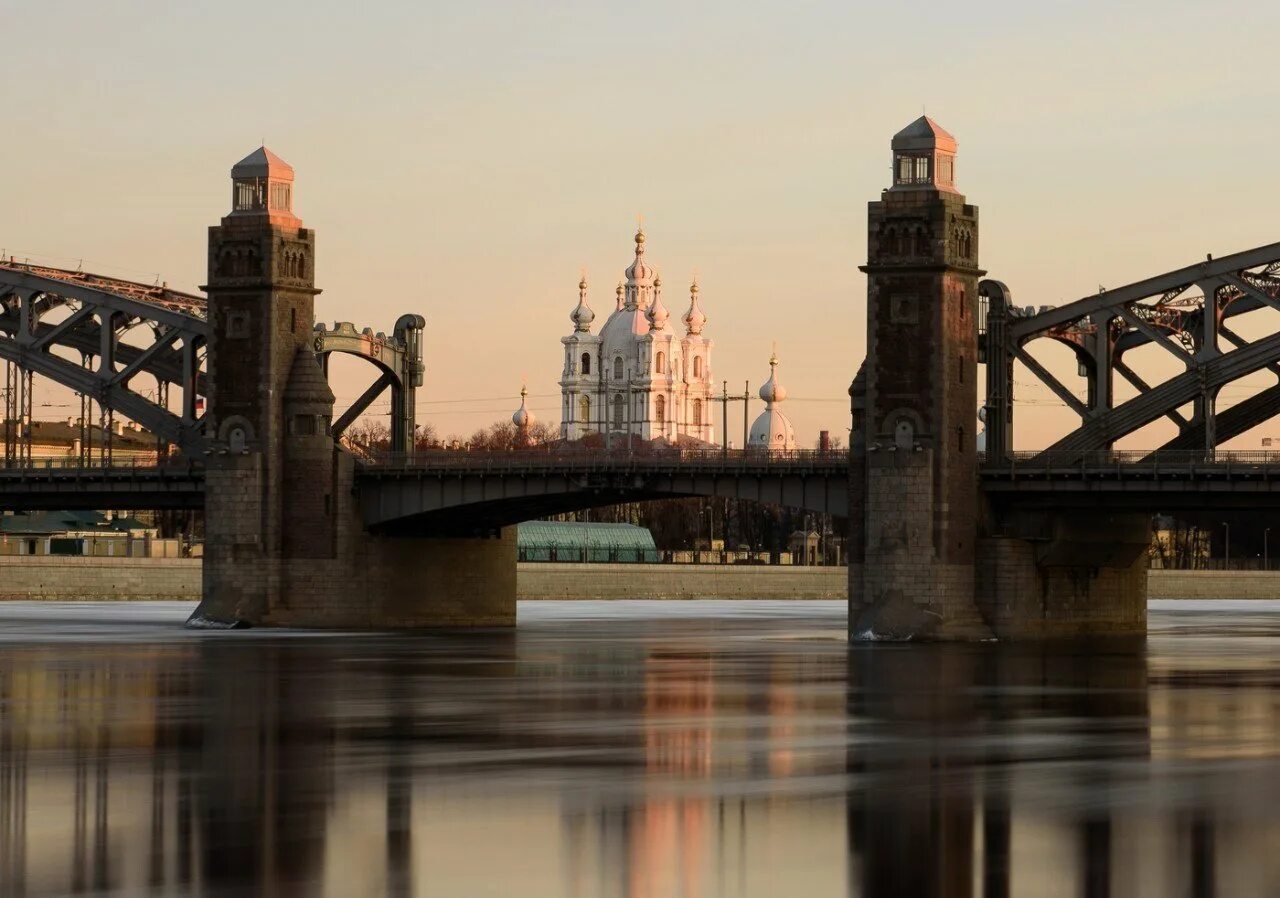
(468, 161)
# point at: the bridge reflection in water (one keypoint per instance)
(732, 750)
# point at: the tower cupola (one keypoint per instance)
(262, 185)
(924, 157)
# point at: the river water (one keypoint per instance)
(651, 750)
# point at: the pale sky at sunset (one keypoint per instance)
(466, 161)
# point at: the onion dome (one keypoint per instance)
(773, 391)
(620, 292)
(772, 431)
(582, 316)
(657, 313)
(523, 418)
(694, 319)
(639, 273)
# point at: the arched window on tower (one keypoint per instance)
(697, 366)
(584, 410)
(617, 368)
(619, 411)
(660, 363)
(660, 410)
(697, 413)
(586, 363)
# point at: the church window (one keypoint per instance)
(619, 411)
(617, 368)
(584, 409)
(660, 363)
(586, 363)
(697, 366)
(660, 410)
(697, 413)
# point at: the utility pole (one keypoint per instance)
(726, 397)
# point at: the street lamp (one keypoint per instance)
(1266, 558)
(1226, 546)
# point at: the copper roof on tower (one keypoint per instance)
(924, 134)
(262, 163)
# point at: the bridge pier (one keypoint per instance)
(348, 578)
(1048, 574)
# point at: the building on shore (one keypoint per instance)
(81, 533)
(638, 377)
(68, 439)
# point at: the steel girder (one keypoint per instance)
(398, 357)
(1160, 310)
(101, 310)
(181, 332)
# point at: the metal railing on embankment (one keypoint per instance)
(621, 460)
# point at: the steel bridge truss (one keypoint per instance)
(1186, 312)
(42, 309)
(85, 316)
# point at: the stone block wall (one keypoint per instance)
(98, 579)
(679, 581)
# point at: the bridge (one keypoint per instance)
(946, 542)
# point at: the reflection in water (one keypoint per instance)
(635, 750)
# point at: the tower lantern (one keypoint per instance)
(262, 184)
(924, 157)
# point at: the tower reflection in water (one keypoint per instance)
(629, 757)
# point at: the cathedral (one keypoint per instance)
(638, 376)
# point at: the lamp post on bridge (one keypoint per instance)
(1266, 555)
(1226, 546)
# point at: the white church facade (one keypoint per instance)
(642, 374)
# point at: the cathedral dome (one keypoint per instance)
(694, 319)
(582, 316)
(772, 430)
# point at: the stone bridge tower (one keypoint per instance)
(285, 543)
(915, 465)
(270, 462)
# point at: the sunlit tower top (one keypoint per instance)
(262, 184)
(924, 157)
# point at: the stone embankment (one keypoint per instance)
(55, 578)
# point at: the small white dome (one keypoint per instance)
(772, 430)
(523, 418)
(694, 319)
(582, 316)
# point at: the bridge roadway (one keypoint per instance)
(453, 491)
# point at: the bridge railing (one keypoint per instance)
(536, 459)
(143, 463)
(1172, 461)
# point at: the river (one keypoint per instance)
(650, 750)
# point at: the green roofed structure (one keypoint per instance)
(570, 541)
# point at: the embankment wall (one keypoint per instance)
(137, 579)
